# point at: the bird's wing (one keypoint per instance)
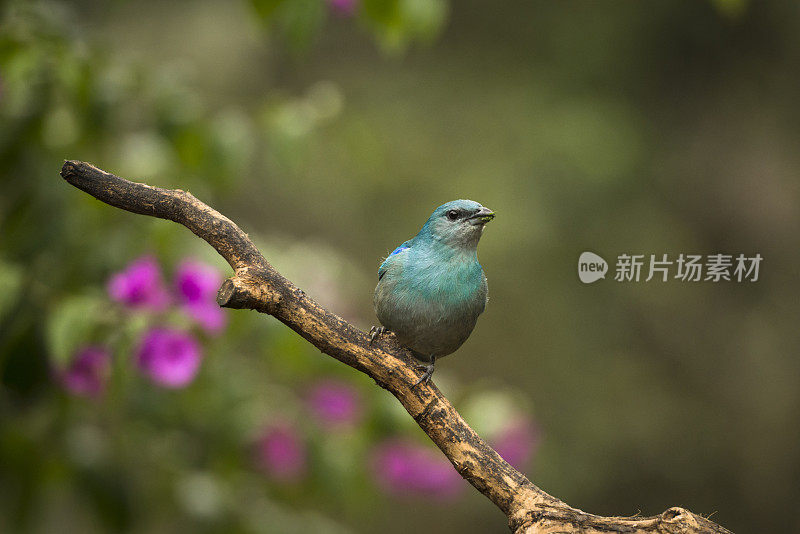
(391, 257)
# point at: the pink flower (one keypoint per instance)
(517, 443)
(335, 403)
(407, 468)
(140, 285)
(171, 358)
(87, 373)
(281, 453)
(197, 284)
(343, 7)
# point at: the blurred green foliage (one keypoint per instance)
(329, 135)
(138, 457)
(395, 24)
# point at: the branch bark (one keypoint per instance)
(257, 285)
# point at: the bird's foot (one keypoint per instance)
(426, 376)
(375, 332)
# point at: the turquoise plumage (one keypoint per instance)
(431, 289)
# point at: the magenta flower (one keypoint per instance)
(343, 7)
(405, 468)
(335, 404)
(197, 284)
(87, 373)
(171, 358)
(140, 285)
(517, 443)
(281, 453)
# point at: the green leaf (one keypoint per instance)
(396, 23)
(70, 325)
(298, 20)
(382, 12)
(301, 20)
(265, 9)
(424, 19)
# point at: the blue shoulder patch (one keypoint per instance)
(382, 269)
(399, 249)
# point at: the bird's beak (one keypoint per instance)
(483, 216)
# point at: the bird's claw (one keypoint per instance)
(375, 332)
(426, 376)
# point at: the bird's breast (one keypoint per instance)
(432, 307)
(452, 286)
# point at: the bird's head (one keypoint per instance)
(458, 223)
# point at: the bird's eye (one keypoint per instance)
(452, 215)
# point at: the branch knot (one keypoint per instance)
(248, 293)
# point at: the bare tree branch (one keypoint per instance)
(257, 285)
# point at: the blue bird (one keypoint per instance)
(431, 289)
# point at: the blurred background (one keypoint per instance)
(329, 130)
